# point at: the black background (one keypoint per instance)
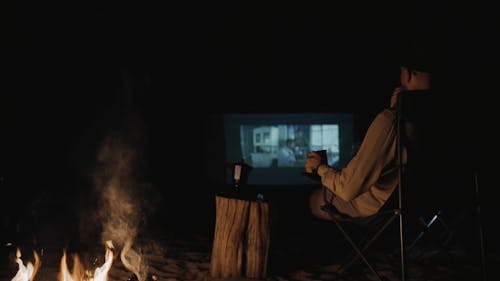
(73, 72)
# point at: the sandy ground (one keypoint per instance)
(300, 249)
(176, 256)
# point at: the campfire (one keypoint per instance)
(119, 213)
(78, 272)
(27, 270)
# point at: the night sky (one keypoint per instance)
(159, 74)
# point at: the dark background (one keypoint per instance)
(162, 76)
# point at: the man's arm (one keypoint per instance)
(365, 167)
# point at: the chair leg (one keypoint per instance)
(402, 246)
(358, 251)
(427, 226)
(369, 242)
(480, 228)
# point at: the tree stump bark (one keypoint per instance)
(258, 234)
(241, 240)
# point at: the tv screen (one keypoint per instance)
(276, 145)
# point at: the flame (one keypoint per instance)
(80, 274)
(28, 272)
(101, 273)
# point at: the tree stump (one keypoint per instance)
(258, 234)
(241, 240)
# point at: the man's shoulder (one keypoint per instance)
(384, 120)
(388, 114)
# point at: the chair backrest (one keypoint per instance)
(416, 109)
(417, 132)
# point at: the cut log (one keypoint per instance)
(241, 240)
(230, 225)
(258, 238)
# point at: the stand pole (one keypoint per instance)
(399, 123)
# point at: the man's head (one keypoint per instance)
(417, 62)
(412, 79)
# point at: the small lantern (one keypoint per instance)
(240, 171)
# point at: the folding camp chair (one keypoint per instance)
(413, 119)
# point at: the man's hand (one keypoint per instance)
(394, 97)
(313, 161)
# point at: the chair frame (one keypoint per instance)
(388, 216)
(450, 230)
(397, 212)
(400, 213)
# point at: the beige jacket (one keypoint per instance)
(364, 184)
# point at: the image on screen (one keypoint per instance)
(276, 145)
(287, 145)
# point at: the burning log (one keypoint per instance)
(241, 240)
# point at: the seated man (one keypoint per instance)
(362, 187)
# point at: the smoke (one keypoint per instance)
(134, 261)
(119, 214)
(123, 198)
(124, 202)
